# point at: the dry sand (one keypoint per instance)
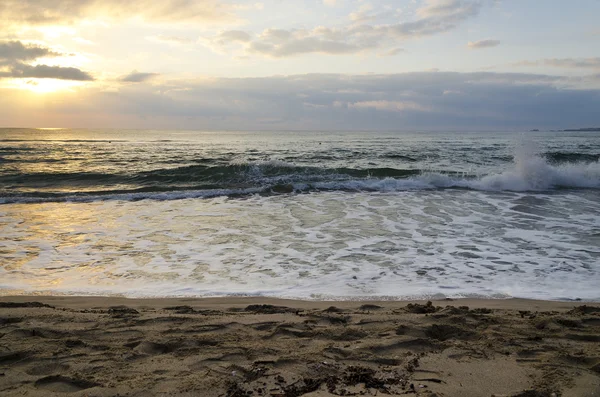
(80, 346)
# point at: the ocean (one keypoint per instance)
(306, 215)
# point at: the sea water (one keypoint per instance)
(310, 215)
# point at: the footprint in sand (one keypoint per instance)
(47, 369)
(12, 357)
(62, 384)
(152, 348)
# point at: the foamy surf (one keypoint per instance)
(329, 245)
(302, 216)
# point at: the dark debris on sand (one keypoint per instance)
(369, 307)
(337, 380)
(421, 309)
(122, 311)
(270, 309)
(582, 310)
(333, 309)
(534, 393)
(15, 305)
(443, 332)
(190, 310)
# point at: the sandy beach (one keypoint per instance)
(95, 346)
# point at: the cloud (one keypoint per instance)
(483, 44)
(330, 3)
(363, 14)
(16, 51)
(170, 39)
(283, 43)
(232, 36)
(407, 101)
(571, 63)
(224, 41)
(137, 77)
(446, 8)
(53, 12)
(14, 54)
(393, 52)
(81, 40)
(47, 72)
(437, 16)
(392, 106)
(244, 7)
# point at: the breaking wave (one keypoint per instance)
(528, 172)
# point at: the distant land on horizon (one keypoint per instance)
(583, 129)
(586, 129)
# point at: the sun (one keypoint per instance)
(43, 86)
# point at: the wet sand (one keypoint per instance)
(95, 346)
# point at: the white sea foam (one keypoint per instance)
(532, 172)
(330, 245)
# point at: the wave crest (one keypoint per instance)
(529, 172)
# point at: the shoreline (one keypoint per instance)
(83, 301)
(249, 346)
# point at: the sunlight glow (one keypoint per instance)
(56, 31)
(69, 60)
(43, 86)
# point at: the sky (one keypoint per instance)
(293, 64)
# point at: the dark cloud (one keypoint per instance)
(483, 44)
(49, 12)
(13, 54)
(573, 63)
(137, 77)
(408, 101)
(15, 51)
(437, 16)
(47, 72)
